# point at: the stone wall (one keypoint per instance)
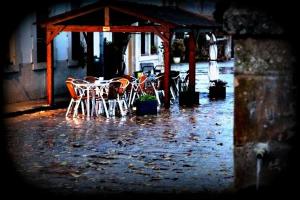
(265, 94)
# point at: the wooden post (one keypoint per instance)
(192, 61)
(90, 54)
(106, 16)
(167, 42)
(49, 71)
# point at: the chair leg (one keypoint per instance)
(82, 108)
(120, 106)
(100, 109)
(133, 98)
(75, 113)
(130, 96)
(112, 107)
(157, 97)
(96, 108)
(93, 107)
(172, 92)
(105, 108)
(69, 107)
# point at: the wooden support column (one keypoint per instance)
(192, 61)
(167, 43)
(49, 69)
(90, 54)
(106, 16)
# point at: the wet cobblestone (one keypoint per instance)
(180, 150)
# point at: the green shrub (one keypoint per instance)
(147, 97)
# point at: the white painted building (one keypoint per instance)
(25, 73)
(25, 69)
(143, 48)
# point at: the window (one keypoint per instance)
(76, 47)
(143, 41)
(148, 44)
(41, 44)
(41, 15)
(152, 44)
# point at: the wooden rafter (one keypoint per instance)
(88, 28)
(106, 16)
(53, 31)
(142, 16)
(72, 14)
(163, 30)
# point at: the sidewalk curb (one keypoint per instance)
(35, 109)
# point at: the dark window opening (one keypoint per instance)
(152, 44)
(41, 36)
(5, 54)
(143, 41)
(76, 47)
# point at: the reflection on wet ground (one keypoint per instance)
(179, 150)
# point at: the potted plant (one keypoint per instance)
(178, 50)
(146, 105)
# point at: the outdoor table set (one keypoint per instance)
(96, 96)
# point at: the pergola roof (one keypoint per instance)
(121, 17)
(122, 13)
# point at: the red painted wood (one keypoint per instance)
(72, 14)
(106, 16)
(192, 61)
(141, 16)
(86, 28)
(49, 71)
(166, 43)
(54, 31)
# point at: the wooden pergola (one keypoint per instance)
(119, 17)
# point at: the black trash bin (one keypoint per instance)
(187, 97)
(217, 89)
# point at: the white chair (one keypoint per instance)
(77, 95)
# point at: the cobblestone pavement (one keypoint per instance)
(180, 150)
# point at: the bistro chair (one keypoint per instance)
(77, 95)
(91, 79)
(111, 96)
(138, 88)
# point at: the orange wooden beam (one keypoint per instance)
(53, 31)
(89, 28)
(167, 68)
(106, 16)
(49, 71)
(192, 61)
(142, 16)
(72, 14)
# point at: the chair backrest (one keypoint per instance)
(70, 78)
(71, 89)
(160, 82)
(174, 74)
(147, 67)
(142, 80)
(124, 83)
(113, 89)
(90, 79)
(128, 77)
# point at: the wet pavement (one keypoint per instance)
(179, 150)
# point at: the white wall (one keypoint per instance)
(27, 80)
(133, 53)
